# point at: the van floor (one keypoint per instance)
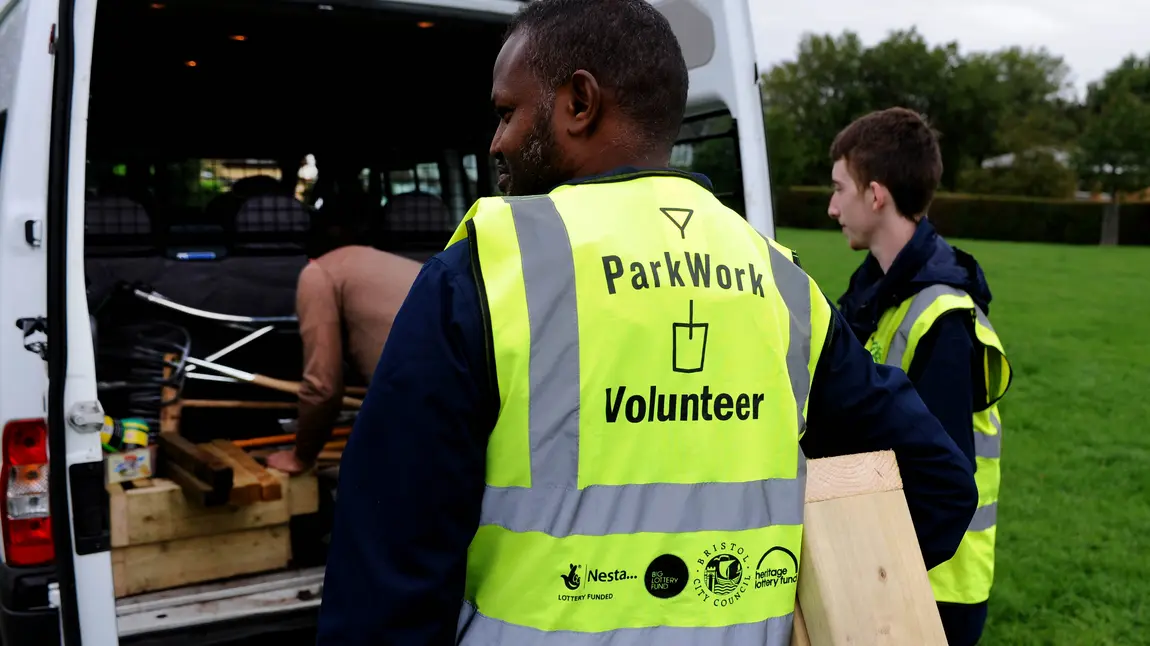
(186, 610)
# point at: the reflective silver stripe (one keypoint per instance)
(794, 287)
(989, 446)
(554, 504)
(982, 319)
(477, 629)
(599, 510)
(549, 280)
(921, 301)
(984, 518)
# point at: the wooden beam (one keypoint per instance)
(862, 580)
(158, 566)
(170, 414)
(270, 487)
(189, 458)
(163, 513)
(246, 488)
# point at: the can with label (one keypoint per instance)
(124, 434)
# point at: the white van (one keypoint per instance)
(128, 129)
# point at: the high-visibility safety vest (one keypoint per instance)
(644, 480)
(968, 576)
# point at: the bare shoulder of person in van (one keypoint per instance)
(857, 406)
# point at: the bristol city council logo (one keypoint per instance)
(721, 576)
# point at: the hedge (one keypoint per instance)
(986, 217)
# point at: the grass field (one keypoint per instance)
(1074, 511)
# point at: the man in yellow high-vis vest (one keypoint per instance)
(590, 421)
(921, 305)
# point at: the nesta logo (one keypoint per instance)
(602, 576)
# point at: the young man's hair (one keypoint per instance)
(627, 45)
(896, 148)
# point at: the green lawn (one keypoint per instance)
(1074, 513)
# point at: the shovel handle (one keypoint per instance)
(293, 388)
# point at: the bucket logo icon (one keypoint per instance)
(689, 343)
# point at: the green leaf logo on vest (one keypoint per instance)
(720, 575)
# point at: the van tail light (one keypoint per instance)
(27, 525)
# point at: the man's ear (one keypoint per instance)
(880, 196)
(582, 103)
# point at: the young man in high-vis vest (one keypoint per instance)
(586, 424)
(921, 305)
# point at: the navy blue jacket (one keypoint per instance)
(412, 475)
(946, 371)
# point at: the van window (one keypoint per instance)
(709, 144)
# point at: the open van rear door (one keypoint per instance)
(718, 45)
(59, 526)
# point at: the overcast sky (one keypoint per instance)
(1091, 35)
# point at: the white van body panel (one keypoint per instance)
(94, 588)
(26, 95)
(715, 35)
(719, 47)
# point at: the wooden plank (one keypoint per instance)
(799, 636)
(204, 466)
(246, 487)
(195, 489)
(162, 513)
(862, 578)
(854, 475)
(158, 566)
(271, 487)
(170, 414)
(302, 491)
(118, 516)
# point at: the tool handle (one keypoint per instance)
(293, 388)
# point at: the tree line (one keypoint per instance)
(1010, 121)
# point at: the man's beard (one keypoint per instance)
(539, 167)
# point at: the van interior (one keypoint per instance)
(216, 130)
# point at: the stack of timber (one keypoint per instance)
(215, 515)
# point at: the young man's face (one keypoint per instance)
(853, 209)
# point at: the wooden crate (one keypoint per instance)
(161, 539)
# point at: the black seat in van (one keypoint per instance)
(116, 225)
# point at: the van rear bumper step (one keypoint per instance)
(282, 592)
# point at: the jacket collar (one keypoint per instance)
(625, 173)
(871, 292)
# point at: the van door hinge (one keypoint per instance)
(30, 326)
(52, 41)
(86, 416)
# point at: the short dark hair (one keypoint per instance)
(626, 44)
(897, 148)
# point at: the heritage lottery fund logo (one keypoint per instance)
(777, 567)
